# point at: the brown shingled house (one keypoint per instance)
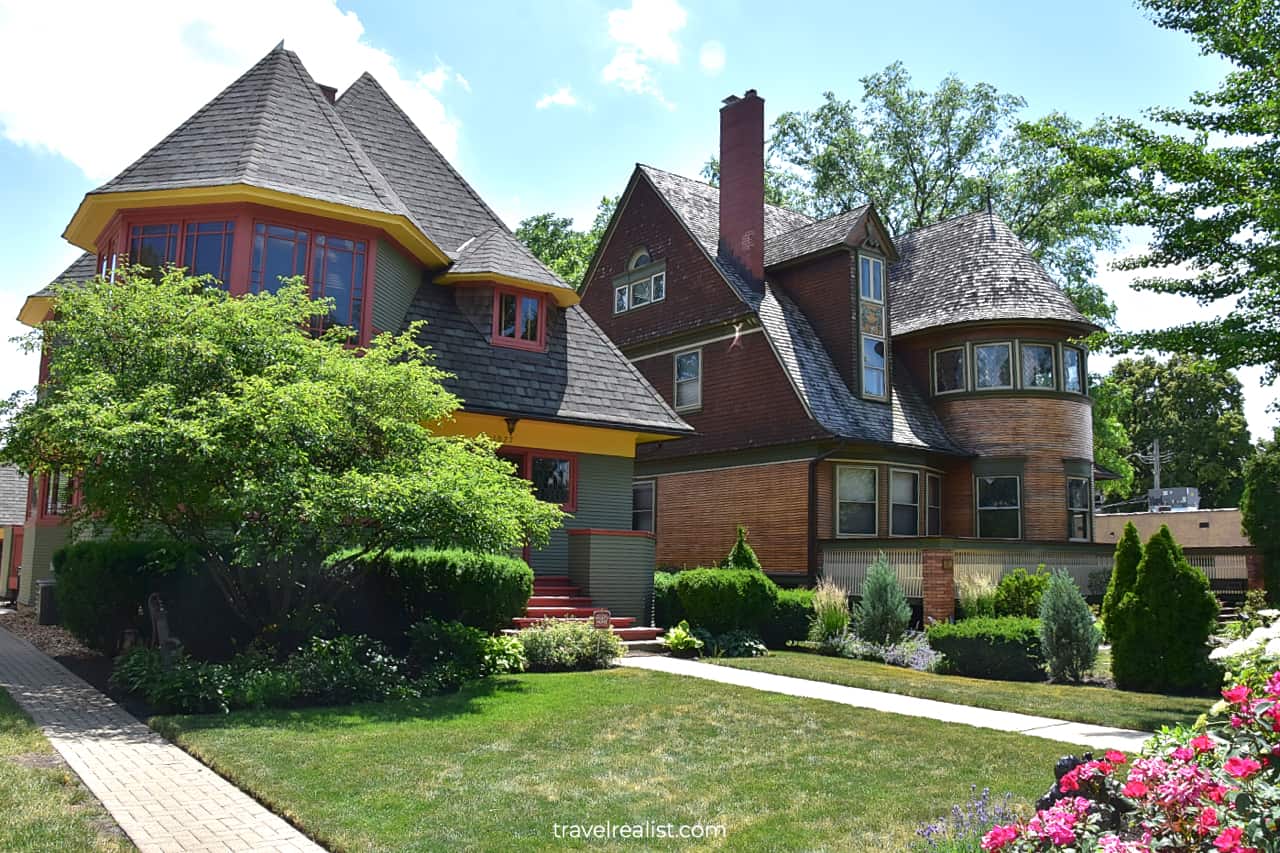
(852, 390)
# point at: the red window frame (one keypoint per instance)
(518, 342)
(52, 505)
(523, 458)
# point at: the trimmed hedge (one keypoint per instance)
(791, 618)
(667, 610)
(1019, 592)
(401, 588)
(1005, 647)
(103, 586)
(723, 600)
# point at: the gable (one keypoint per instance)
(696, 292)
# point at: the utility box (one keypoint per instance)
(46, 602)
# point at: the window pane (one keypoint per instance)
(997, 492)
(153, 245)
(640, 260)
(337, 270)
(873, 382)
(687, 366)
(864, 276)
(856, 484)
(530, 306)
(935, 490)
(948, 371)
(507, 315)
(1071, 370)
(858, 518)
(1037, 366)
(993, 366)
(208, 249)
(642, 496)
(277, 253)
(873, 352)
(934, 518)
(620, 299)
(877, 278)
(905, 520)
(1078, 493)
(640, 293)
(688, 394)
(659, 287)
(998, 523)
(1079, 528)
(550, 479)
(904, 487)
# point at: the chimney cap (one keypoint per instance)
(750, 94)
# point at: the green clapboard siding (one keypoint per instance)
(395, 281)
(604, 501)
(616, 571)
(38, 544)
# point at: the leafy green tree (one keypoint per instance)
(568, 252)
(225, 423)
(1111, 442)
(782, 187)
(1068, 638)
(1260, 509)
(1124, 574)
(922, 157)
(741, 555)
(1196, 409)
(882, 615)
(1205, 178)
(1161, 631)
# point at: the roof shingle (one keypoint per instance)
(13, 496)
(498, 251)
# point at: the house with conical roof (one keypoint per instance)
(854, 391)
(278, 177)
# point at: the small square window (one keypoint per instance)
(518, 320)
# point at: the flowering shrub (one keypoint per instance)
(1215, 788)
(963, 829)
(912, 651)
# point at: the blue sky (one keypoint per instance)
(542, 106)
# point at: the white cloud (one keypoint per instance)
(170, 58)
(711, 57)
(562, 97)
(644, 35)
(1138, 310)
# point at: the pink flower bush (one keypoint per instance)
(1215, 789)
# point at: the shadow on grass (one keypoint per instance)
(441, 707)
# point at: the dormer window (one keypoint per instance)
(519, 319)
(875, 379)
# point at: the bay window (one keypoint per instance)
(856, 504)
(154, 246)
(337, 273)
(207, 248)
(278, 252)
(999, 506)
(904, 503)
(993, 366)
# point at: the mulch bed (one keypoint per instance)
(58, 643)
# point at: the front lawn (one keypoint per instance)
(1098, 705)
(42, 805)
(495, 766)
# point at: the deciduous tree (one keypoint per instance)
(568, 252)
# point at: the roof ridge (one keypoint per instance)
(414, 127)
(862, 208)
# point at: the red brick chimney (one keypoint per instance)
(742, 182)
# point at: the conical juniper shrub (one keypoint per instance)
(1068, 638)
(883, 613)
(1123, 574)
(741, 555)
(1161, 627)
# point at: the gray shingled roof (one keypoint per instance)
(582, 377)
(82, 268)
(273, 129)
(13, 496)
(497, 250)
(698, 204)
(439, 197)
(968, 269)
(812, 237)
(907, 421)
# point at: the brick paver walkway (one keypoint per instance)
(1082, 734)
(163, 799)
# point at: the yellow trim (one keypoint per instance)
(564, 296)
(34, 310)
(548, 435)
(98, 208)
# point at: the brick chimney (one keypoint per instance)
(330, 92)
(742, 182)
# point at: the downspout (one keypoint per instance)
(813, 512)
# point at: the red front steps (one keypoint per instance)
(557, 597)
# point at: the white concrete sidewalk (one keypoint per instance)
(1082, 734)
(163, 799)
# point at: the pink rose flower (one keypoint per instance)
(1228, 841)
(999, 837)
(1207, 821)
(1237, 694)
(1135, 788)
(1203, 743)
(1184, 753)
(1117, 757)
(1241, 767)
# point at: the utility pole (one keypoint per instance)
(1155, 455)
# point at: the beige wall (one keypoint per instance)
(1202, 528)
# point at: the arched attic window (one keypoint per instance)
(639, 258)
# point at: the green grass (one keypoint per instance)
(494, 767)
(1097, 705)
(44, 808)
